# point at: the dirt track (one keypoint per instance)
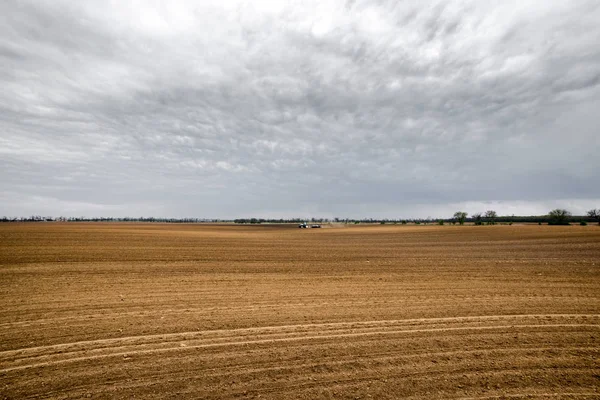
(201, 311)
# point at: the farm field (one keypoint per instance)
(221, 311)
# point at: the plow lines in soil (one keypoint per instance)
(380, 324)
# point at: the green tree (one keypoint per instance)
(477, 219)
(460, 216)
(595, 214)
(490, 216)
(558, 216)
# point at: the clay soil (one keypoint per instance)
(224, 311)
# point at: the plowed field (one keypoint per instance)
(223, 311)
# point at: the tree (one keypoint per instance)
(558, 216)
(477, 219)
(595, 214)
(460, 216)
(490, 216)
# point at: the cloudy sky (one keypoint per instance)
(231, 109)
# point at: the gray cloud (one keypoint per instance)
(358, 108)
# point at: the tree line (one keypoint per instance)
(558, 216)
(555, 217)
(39, 218)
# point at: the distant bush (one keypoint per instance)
(403, 222)
(583, 223)
(417, 222)
(594, 214)
(460, 217)
(490, 217)
(558, 216)
(441, 222)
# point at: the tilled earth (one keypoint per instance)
(223, 311)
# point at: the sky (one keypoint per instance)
(230, 109)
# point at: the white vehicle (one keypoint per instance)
(304, 225)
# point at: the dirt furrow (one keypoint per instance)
(188, 341)
(197, 311)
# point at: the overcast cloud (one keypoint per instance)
(316, 108)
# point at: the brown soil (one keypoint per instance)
(223, 311)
